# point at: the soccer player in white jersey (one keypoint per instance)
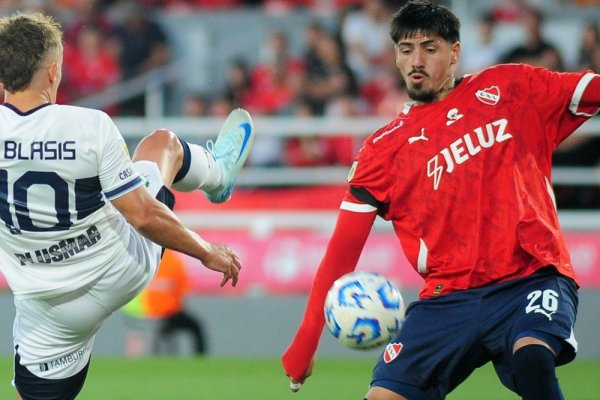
(82, 225)
(464, 175)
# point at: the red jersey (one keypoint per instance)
(466, 181)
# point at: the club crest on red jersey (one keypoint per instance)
(489, 96)
(391, 352)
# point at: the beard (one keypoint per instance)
(422, 95)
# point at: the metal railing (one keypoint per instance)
(152, 85)
(262, 221)
(200, 129)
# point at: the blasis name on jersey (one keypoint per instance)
(39, 150)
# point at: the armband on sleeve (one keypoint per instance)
(363, 195)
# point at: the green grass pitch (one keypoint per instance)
(263, 379)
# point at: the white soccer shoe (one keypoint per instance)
(230, 150)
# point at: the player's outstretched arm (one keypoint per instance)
(591, 94)
(343, 251)
(158, 223)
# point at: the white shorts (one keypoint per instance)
(55, 335)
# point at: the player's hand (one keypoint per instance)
(223, 259)
(296, 385)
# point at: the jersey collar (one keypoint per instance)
(16, 110)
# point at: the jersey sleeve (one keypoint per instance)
(368, 179)
(117, 175)
(553, 93)
(341, 256)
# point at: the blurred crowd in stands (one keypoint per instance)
(345, 71)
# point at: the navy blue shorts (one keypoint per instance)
(31, 387)
(443, 340)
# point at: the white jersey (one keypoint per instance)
(59, 166)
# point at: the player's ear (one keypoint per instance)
(455, 53)
(53, 72)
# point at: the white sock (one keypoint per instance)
(199, 170)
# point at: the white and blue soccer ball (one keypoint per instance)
(364, 310)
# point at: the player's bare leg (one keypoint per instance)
(379, 393)
(528, 340)
(164, 148)
(213, 169)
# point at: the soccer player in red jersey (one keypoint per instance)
(464, 175)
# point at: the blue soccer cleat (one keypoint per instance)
(230, 150)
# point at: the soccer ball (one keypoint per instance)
(363, 310)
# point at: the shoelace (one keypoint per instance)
(228, 148)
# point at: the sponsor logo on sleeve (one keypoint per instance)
(126, 173)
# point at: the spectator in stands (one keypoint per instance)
(329, 75)
(190, 4)
(274, 85)
(509, 11)
(90, 65)
(385, 92)
(143, 47)
(276, 79)
(195, 105)
(587, 3)
(594, 59)
(284, 6)
(237, 82)
(305, 150)
(323, 7)
(221, 106)
(365, 38)
(86, 13)
(536, 50)
(343, 146)
(392, 103)
(590, 41)
(486, 50)
(312, 35)
(319, 150)
(578, 150)
(217, 4)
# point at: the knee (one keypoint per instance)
(533, 359)
(162, 139)
(163, 147)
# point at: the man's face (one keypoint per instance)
(425, 63)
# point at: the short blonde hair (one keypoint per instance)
(26, 39)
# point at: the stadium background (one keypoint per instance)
(280, 218)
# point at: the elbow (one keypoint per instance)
(143, 223)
